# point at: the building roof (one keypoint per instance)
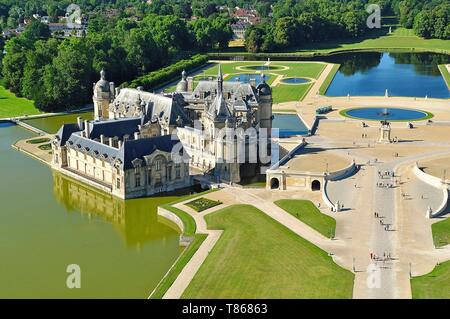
(133, 102)
(137, 149)
(111, 128)
(65, 131)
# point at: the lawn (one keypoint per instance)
(289, 93)
(435, 285)
(324, 87)
(445, 74)
(441, 233)
(13, 106)
(309, 214)
(281, 92)
(256, 257)
(39, 140)
(201, 204)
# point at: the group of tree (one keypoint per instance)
(296, 23)
(428, 18)
(59, 73)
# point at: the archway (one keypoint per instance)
(315, 186)
(274, 183)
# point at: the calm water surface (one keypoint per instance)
(402, 74)
(289, 125)
(48, 222)
(53, 123)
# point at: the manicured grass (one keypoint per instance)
(445, 74)
(189, 230)
(289, 93)
(256, 257)
(201, 204)
(309, 214)
(435, 285)
(324, 87)
(38, 140)
(281, 92)
(45, 147)
(176, 269)
(441, 233)
(13, 106)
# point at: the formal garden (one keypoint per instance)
(290, 81)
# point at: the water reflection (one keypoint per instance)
(136, 219)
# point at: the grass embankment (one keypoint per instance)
(281, 92)
(401, 39)
(445, 74)
(309, 214)
(13, 106)
(324, 87)
(189, 230)
(441, 233)
(435, 285)
(257, 257)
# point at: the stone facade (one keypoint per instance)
(127, 150)
(126, 165)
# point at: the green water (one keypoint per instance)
(48, 222)
(53, 123)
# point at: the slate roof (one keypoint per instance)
(65, 131)
(132, 102)
(133, 149)
(130, 150)
(111, 128)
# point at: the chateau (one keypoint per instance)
(141, 143)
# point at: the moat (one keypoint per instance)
(49, 222)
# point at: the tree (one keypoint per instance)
(36, 30)
(285, 32)
(36, 60)
(14, 62)
(254, 39)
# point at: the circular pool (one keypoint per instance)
(388, 114)
(264, 67)
(204, 77)
(295, 80)
(246, 77)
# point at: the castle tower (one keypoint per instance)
(265, 105)
(103, 96)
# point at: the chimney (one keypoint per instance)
(119, 144)
(126, 137)
(253, 82)
(140, 88)
(80, 123)
(102, 139)
(86, 128)
(136, 135)
(110, 142)
(117, 92)
(190, 84)
(112, 88)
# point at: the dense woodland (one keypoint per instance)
(131, 39)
